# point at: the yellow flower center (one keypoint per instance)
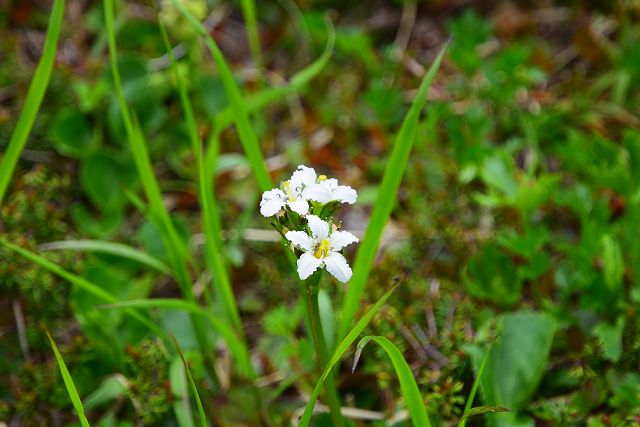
(287, 189)
(322, 178)
(323, 249)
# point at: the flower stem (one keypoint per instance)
(317, 334)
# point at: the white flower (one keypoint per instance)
(291, 194)
(328, 190)
(321, 248)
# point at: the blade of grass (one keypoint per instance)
(339, 351)
(80, 282)
(236, 346)
(408, 386)
(117, 249)
(386, 199)
(246, 133)
(256, 102)
(210, 218)
(68, 383)
(194, 389)
(251, 23)
(36, 92)
(474, 389)
(178, 253)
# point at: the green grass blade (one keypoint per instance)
(36, 92)
(386, 199)
(408, 386)
(68, 383)
(247, 136)
(210, 218)
(339, 351)
(80, 282)
(474, 389)
(192, 383)
(256, 102)
(236, 345)
(110, 248)
(251, 22)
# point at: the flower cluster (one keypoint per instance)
(302, 210)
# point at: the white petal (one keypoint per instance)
(272, 201)
(319, 227)
(330, 183)
(302, 177)
(318, 192)
(338, 267)
(307, 264)
(299, 206)
(344, 194)
(340, 239)
(300, 239)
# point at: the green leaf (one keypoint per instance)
(32, 103)
(610, 338)
(386, 199)
(339, 351)
(111, 388)
(468, 411)
(408, 386)
(103, 176)
(491, 275)
(612, 263)
(68, 383)
(518, 359)
(71, 133)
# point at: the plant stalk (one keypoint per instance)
(331, 394)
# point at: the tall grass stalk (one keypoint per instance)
(68, 383)
(176, 250)
(386, 199)
(36, 92)
(192, 383)
(311, 286)
(210, 219)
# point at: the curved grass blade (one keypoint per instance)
(246, 133)
(81, 283)
(68, 383)
(110, 248)
(210, 217)
(408, 386)
(236, 345)
(474, 389)
(194, 389)
(386, 199)
(339, 351)
(36, 92)
(297, 83)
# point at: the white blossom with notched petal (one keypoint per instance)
(321, 248)
(328, 190)
(291, 194)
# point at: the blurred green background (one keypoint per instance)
(518, 214)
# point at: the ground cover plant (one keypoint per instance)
(319, 213)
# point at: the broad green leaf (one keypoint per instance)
(516, 363)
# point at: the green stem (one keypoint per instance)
(311, 292)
